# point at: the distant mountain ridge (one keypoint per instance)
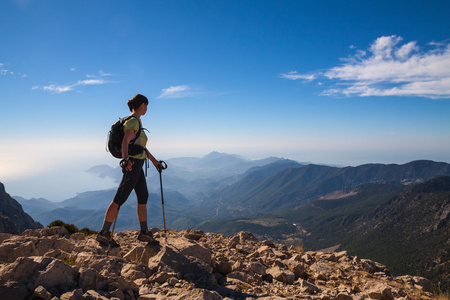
(193, 175)
(264, 192)
(246, 187)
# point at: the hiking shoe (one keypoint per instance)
(147, 237)
(105, 239)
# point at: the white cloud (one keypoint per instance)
(104, 74)
(293, 75)
(178, 91)
(57, 89)
(9, 72)
(90, 82)
(388, 68)
(93, 80)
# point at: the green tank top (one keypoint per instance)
(133, 123)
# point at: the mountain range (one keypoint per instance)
(316, 206)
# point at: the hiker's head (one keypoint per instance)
(136, 102)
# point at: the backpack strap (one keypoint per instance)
(138, 133)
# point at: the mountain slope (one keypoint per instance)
(12, 217)
(292, 187)
(407, 228)
(316, 224)
(410, 232)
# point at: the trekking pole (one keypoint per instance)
(160, 168)
(112, 233)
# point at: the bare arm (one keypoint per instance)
(126, 140)
(156, 163)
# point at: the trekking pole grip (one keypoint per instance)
(163, 166)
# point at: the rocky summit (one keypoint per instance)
(49, 264)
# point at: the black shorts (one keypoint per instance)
(134, 179)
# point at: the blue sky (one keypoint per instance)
(335, 82)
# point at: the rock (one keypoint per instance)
(424, 283)
(50, 265)
(135, 271)
(320, 271)
(198, 295)
(171, 260)
(373, 267)
(378, 290)
(308, 259)
(32, 272)
(344, 296)
(241, 238)
(258, 268)
(5, 236)
(57, 276)
(193, 234)
(192, 249)
(161, 277)
(241, 276)
(73, 295)
(246, 237)
(308, 287)
(91, 279)
(93, 295)
(282, 275)
(141, 254)
(41, 293)
(223, 267)
(77, 236)
(296, 267)
(11, 249)
(47, 231)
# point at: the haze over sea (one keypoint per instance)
(341, 83)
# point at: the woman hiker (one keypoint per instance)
(133, 176)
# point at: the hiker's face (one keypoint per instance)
(143, 108)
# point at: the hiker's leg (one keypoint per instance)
(142, 216)
(110, 215)
(128, 182)
(111, 212)
(142, 198)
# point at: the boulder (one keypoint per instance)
(378, 290)
(296, 267)
(308, 287)
(47, 231)
(258, 268)
(193, 234)
(141, 254)
(320, 271)
(28, 273)
(41, 293)
(282, 275)
(169, 259)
